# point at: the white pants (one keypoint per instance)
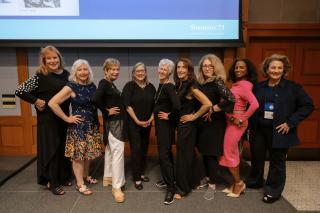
(114, 161)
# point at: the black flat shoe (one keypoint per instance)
(269, 199)
(138, 186)
(169, 198)
(161, 184)
(144, 179)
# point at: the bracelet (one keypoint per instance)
(195, 115)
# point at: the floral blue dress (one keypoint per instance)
(84, 141)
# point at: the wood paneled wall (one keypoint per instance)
(301, 43)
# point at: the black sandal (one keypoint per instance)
(58, 190)
(269, 199)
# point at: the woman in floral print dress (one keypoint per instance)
(84, 142)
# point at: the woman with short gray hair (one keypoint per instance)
(138, 97)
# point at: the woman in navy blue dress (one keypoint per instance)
(84, 142)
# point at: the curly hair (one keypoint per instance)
(287, 66)
(251, 71)
(219, 71)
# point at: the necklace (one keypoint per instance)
(156, 97)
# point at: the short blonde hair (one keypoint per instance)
(42, 68)
(287, 67)
(110, 62)
(219, 71)
(74, 68)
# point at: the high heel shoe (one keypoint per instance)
(228, 189)
(107, 181)
(238, 189)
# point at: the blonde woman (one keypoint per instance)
(109, 100)
(212, 126)
(53, 169)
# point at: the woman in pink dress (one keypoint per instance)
(243, 76)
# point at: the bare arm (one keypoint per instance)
(135, 118)
(58, 99)
(205, 106)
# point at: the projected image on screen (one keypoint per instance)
(18, 9)
(165, 20)
(42, 3)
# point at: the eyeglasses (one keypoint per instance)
(140, 71)
(210, 67)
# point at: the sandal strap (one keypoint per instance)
(82, 188)
(91, 180)
(58, 190)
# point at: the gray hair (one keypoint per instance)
(167, 62)
(144, 67)
(74, 68)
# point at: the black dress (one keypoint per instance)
(166, 100)
(142, 101)
(52, 166)
(211, 134)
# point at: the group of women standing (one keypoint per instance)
(198, 106)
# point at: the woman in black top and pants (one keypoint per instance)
(109, 100)
(166, 107)
(189, 96)
(283, 104)
(138, 97)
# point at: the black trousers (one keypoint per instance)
(186, 157)
(165, 132)
(58, 171)
(139, 143)
(277, 170)
(211, 166)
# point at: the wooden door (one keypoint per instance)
(305, 57)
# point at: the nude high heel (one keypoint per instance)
(238, 189)
(228, 189)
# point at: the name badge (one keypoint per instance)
(268, 110)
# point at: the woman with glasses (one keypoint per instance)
(211, 127)
(138, 97)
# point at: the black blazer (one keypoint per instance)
(292, 105)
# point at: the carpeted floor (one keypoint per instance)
(22, 194)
